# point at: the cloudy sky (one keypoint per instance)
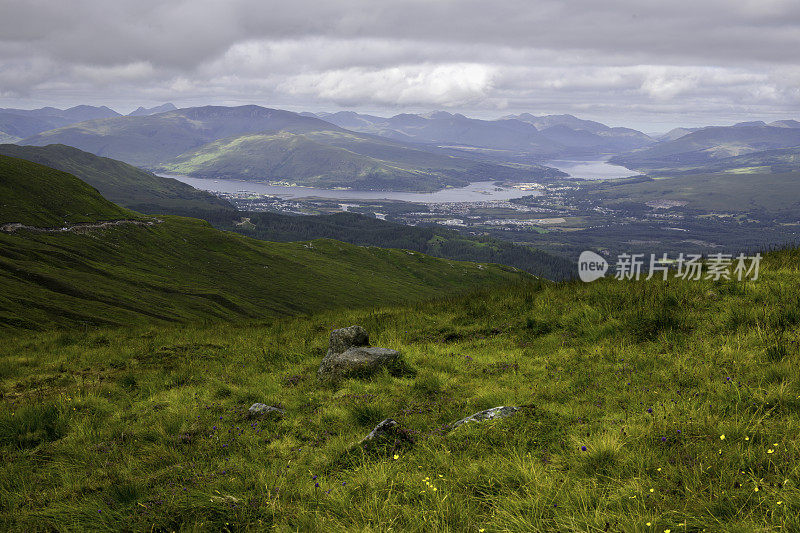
(651, 64)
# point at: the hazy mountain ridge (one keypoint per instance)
(21, 123)
(546, 137)
(711, 143)
(143, 111)
(148, 141)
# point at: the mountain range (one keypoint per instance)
(252, 142)
(549, 136)
(16, 124)
(706, 145)
(406, 152)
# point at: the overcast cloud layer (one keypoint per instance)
(645, 63)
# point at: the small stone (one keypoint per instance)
(260, 409)
(388, 432)
(488, 414)
(225, 498)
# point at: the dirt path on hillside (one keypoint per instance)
(78, 228)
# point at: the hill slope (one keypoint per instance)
(120, 182)
(709, 144)
(645, 406)
(37, 195)
(367, 231)
(340, 159)
(769, 161)
(181, 269)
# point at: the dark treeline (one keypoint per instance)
(367, 231)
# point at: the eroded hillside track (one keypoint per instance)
(78, 228)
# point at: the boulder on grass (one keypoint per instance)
(258, 410)
(488, 414)
(388, 433)
(350, 355)
(345, 338)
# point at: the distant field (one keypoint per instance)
(728, 192)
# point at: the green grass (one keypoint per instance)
(119, 182)
(179, 270)
(143, 429)
(37, 195)
(183, 270)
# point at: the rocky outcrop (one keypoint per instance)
(349, 354)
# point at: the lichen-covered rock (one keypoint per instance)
(350, 354)
(488, 414)
(387, 433)
(260, 409)
(345, 338)
(383, 429)
(360, 361)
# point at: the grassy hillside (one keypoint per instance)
(650, 406)
(769, 161)
(37, 195)
(338, 159)
(120, 182)
(184, 270)
(368, 231)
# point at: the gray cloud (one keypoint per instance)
(700, 60)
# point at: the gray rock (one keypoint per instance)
(489, 414)
(387, 433)
(383, 429)
(260, 409)
(350, 354)
(358, 361)
(345, 338)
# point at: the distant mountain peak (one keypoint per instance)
(789, 123)
(143, 111)
(752, 123)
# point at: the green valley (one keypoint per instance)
(173, 269)
(331, 159)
